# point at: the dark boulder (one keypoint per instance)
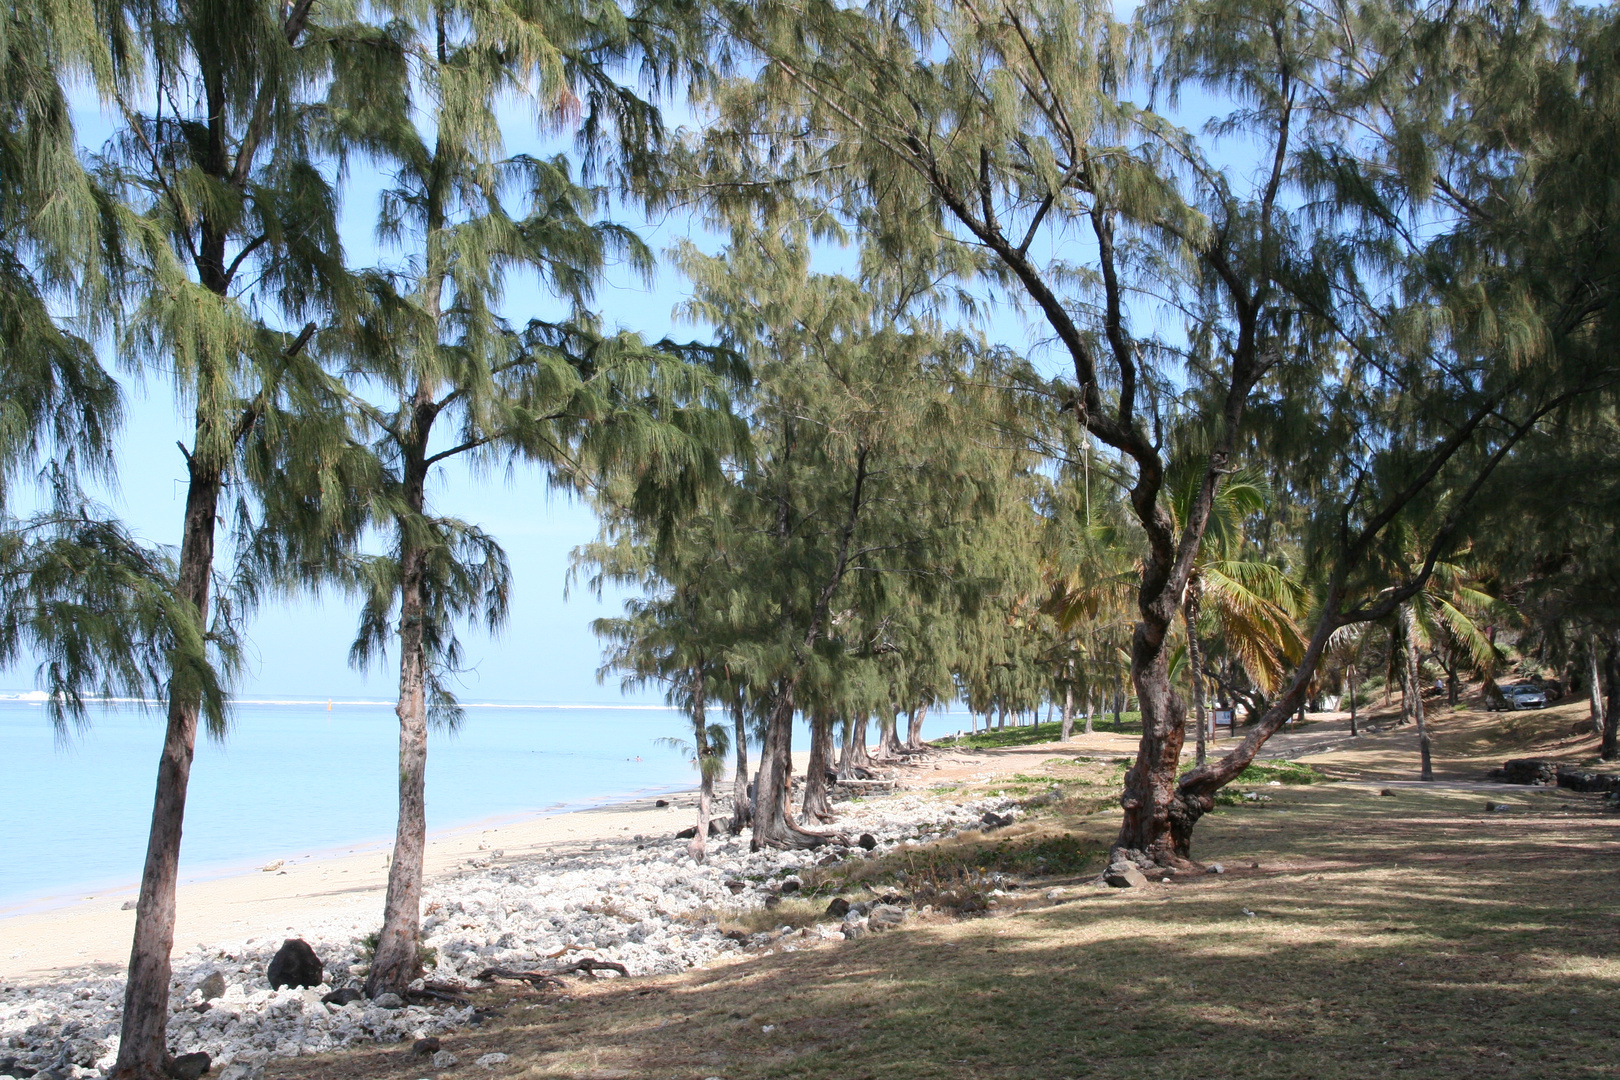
(189, 1066)
(838, 908)
(344, 996)
(213, 986)
(1125, 875)
(295, 964)
(425, 1047)
(791, 885)
(867, 841)
(1535, 771)
(1576, 780)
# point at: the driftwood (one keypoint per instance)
(538, 979)
(436, 992)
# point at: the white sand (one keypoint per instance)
(95, 932)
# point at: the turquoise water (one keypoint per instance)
(295, 778)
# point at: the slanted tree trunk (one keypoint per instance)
(914, 726)
(773, 821)
(741, 805)
(817, 806)
(397, 960)
(1189, 617)
(143, 1051)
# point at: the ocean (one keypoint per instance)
(296, 778)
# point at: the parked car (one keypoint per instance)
(1523, 696)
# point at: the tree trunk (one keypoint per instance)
(855, 755)
(1390, 674)
(817, 806)
(1146, 830)
(143, 1050)
(773, 819)
(914, 726)
(1406, 680)
(1452, 683)
(1611, 715)
(1091, 707)
(740, 803)
(1189, 616)
(1352, 690)
(1068, 709)
(397, 959)
(1595, 691)
(1415, 692)
(698, 846)
(889, 740)
(1119, 706)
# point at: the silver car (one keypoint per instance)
(1523, 696)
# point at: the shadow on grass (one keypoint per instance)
(1418, 934)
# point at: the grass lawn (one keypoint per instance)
(1029, 735)
(1353, 936)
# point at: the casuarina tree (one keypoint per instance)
(438, 375)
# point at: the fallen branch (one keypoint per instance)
(537, 979)
(587, 964)
(438, 992)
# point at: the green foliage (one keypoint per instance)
(1131, 723)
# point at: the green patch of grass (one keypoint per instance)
(1286, 772)
(1037, 733)
(1059, 855)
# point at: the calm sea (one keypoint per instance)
(296, 778)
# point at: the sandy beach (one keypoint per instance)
(95, 932)
(614, 883)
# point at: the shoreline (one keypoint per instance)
(80, 892)
(93, 931)
(89, 930)
(613, 882)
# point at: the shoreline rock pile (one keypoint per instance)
(642, 903)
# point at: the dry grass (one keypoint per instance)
(1418, 934)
